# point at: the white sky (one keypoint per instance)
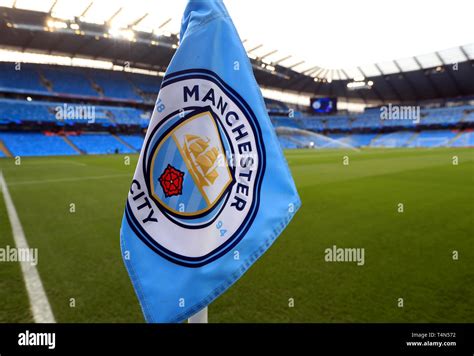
(329, 34)
(346, 33)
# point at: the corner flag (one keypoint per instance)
(211, 190)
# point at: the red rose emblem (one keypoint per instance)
(171, 180)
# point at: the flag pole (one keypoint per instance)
(199, 318)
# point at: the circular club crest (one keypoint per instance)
(196, 189)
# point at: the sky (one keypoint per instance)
(330, 34)
(341, 34)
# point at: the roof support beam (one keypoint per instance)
(408, 81)
(165, 23)
(282, 59)
(464, 53)
(389, 84)
(255, 48)
(310, 70)
(114, 15)
(318, 73)
(87, 9)
(428, 79)
(140, 19)
(467, 56)
(51, 8)
(268, 54)
(295, 65)
(451, 76)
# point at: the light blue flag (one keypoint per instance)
(212, 190)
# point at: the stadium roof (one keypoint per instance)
(143, 34)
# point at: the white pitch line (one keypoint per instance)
(76, 179)
(40, 306)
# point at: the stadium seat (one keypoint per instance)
(394, 139)
(114, 84)
(312, 123)
(24, 78)
(35, 144)
(433, 139)
(338, 122)
(136, 141)
(446, 116)
(275, 106)
(99, 143)
(286, 143)
(283, 121)
(69, 80)
(369, 120)
(146, 83)
(469, 117)
(354, 140)
(21, 110)
(129, 116)
(464, 139)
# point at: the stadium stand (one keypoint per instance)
(355, 140)
(276, 107)
(65, 80)
(58, 80)
(20, 78)
(20, 111)
(129, 116)
(136, 141)
(394, 139)
(464, 139)
(114, 85)
(283, 121)
(99, 143)
(146, 83)
(287, 143)
(35, 144)
(469, 117)
(17, 111)
(338, 122)
(368, 120)
(433, 139)
(123, 102)
(443, 116)
(312, 123)
(360, 140)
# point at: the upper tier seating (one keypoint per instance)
(20, 78)
(66, 80)
(146, 83)
(114, 84)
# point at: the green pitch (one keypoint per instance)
(408, 254)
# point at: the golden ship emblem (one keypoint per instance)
(202, 159)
